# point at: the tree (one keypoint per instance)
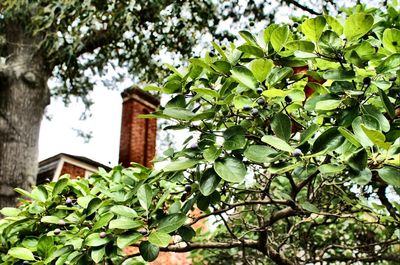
(73, 41)
(294, 154)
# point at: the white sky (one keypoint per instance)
(57, 135)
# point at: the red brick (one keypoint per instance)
(138, 135)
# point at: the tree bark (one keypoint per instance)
(24, 96)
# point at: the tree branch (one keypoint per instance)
(303, 7)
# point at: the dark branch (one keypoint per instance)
(303, 7)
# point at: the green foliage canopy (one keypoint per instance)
(295, 154)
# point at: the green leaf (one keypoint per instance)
(186, 232)
(206, 92)
(45, 246)
(10, 211)
(103, 221)
(308, 133)
(209, 181)
(387, 104)
(125, 223)
(374, 112)
(222, 66)
(329, 140)
(148, 251)
(391, 175)
(250, 39)
(278, 74)
(260, 153)
(181, 164)
(126, 240)
(21, 253)
(329, 104)
(358, 160)
(391, 63)
(98, 254)
(39, 193)
(391, 40)
(277, 143)
(281, 126)
(94, 240)
(234, 138)
(331, 169)
(252, 50)
(313, 27)
(376, 137)
(349, 136)
(363, 177)
(60, 186)
(261, 68)
(179, 113)
(211, 153)
(335, 25)
(145, 195)
(50, 219)
(368, 121)
(309, 207)
(240, 101)
(160, 239)
(93, 205)
(339, 75)
(357, 25)
(171, 222)
(273, 93)
(300, 45)
(230, 169)
(245, 77)
(279, 37)
(330, 42)
(123, 211)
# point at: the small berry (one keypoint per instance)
(223, 48)
(47, 180)
(254, 112)
(288, 99)
(194, 146)
(68, 201)
(259, 90)
(61, 222)
(251, 24)
(297, 152)
(57, 231)
(394, 43)
(392, 79)
(211, 54)
(295, 24)
(246, 108)
(188, 188)
(261, 102)
(103, 234)
(143, 231)
(26, 262)
(367, 80)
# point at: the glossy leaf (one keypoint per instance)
(230, 169)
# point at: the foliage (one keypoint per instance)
(293, 157)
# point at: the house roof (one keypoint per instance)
(49, 166)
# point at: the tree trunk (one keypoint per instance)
(24, 96)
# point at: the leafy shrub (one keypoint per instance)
(294, 150)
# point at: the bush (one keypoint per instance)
(294, 153)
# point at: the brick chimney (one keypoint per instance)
(138, 135)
